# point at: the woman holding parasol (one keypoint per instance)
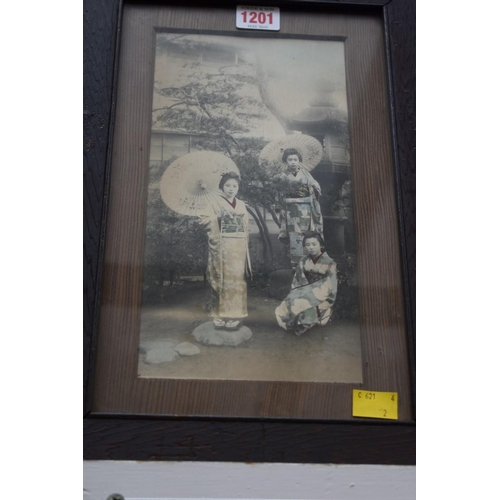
(205, 184)
(291, 157)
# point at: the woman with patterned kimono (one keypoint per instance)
(301, 210)
(314, 289)
(226, 223)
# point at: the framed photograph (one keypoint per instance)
(218, 269)
(251, 267)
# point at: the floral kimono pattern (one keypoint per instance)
(228, 258)
(313, 293)
(301, 212)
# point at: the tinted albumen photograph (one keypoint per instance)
(250, 269)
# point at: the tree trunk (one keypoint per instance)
(262, 236)
(266, 231)
(273, 215)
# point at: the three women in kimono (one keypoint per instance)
(301, 210)
(226, 222)
(314, 285)
(314, 289)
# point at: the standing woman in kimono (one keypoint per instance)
(314, 289)
(301, 210)
(228, 258)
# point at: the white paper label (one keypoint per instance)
(258, 18)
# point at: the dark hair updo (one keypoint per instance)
(289, 152)
(226, 177)
(314, 234)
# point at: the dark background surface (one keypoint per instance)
(137, 438)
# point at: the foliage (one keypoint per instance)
(219, 102)
(175, 244)
(346, 304)
(215, 106)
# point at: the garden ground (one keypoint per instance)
(323, 354)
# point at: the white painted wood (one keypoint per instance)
(218, 480)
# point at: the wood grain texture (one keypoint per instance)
(380, 279)
(112, 437)
(99, 37)
(244, 441)
(400, 22)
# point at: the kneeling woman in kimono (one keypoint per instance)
(314, 289)
(228, 257)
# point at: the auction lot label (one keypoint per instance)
(258, 18)
(375, 404)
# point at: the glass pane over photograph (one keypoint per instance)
(250, 268)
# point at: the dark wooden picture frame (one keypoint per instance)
(143, 437)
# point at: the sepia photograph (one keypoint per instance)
(250, 262)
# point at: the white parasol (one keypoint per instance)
(309, 148)
(191, 183)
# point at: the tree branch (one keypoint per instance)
(273, 214)
(170, 107)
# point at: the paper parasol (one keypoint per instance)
(191, 183)
(309, 148)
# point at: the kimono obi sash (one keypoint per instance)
(232, 225)
(312, 276)
(305, 199)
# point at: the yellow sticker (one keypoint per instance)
(375, 404)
